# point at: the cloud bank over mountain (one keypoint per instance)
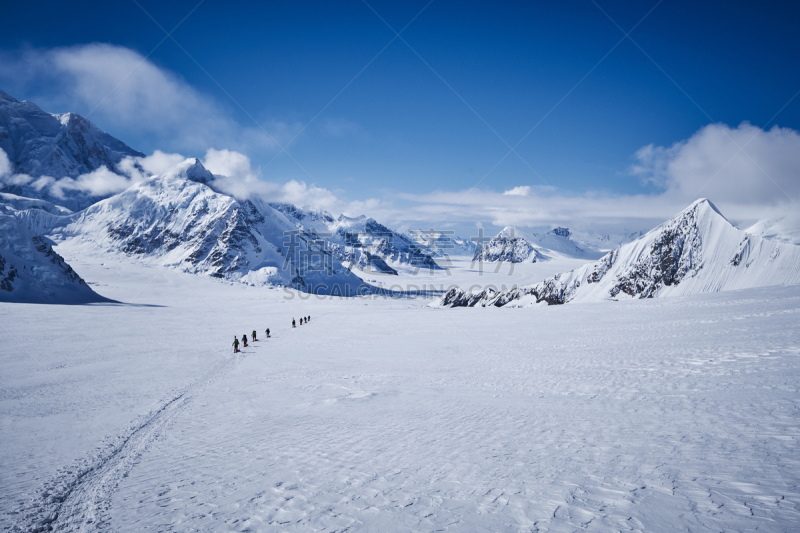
(745, 165)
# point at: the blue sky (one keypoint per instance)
(399, 130)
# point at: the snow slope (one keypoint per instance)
(559, 240)
(32, 272)
(20, 203)
(590, 240)
(783, 228)
(697, 251)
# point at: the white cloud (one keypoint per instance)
(745, 166)
(522, 190)
(127, 92)
(100, 182)
(235, 176)
(5, 164)
(747, 185)
(229, 163)
(338, 127)
(140, 168)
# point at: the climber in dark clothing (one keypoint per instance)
(293, 323)
(267, 332)
(244, 340)
(254, 336)
(235, 345)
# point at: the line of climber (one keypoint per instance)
(235, 342)
(305, 319)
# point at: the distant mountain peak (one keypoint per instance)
(561, 232)
(193, 170)
(704, 204)
(508, 247)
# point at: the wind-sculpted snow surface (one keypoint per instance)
(78, 497)
(696, 251)
(32, 272)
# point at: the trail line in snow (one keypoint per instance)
(78, 498)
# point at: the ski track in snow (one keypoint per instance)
(80, 502)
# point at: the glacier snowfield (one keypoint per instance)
(671, 414)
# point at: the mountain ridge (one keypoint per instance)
(698, 250)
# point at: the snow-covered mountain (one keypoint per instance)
(513, 246)
(461, 246)
(39, 144)
(561, 241)
(440, 243)
(177, 219)
(508, 247)
(32, 272)
(696, 251)
(362, 242)
(589, 240)
(782, 228)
